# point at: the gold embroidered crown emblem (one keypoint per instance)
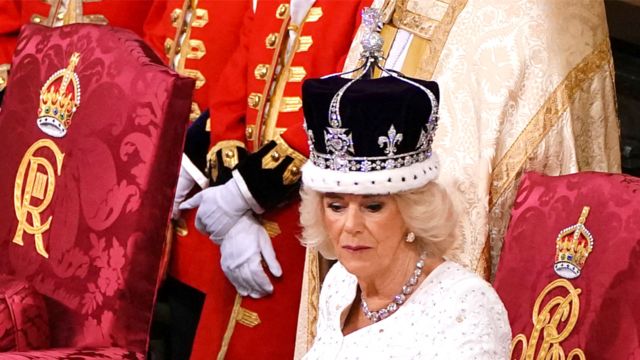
(573, 246)
(59, 99)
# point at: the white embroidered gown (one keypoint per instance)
(453, 314)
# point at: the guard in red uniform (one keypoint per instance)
(196, 38)
(258, 145)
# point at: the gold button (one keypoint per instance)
(261, 71)
(281, 13)
(228, 154)
(60, 16)
(37, 20)
(249, 133)
(275, 156)
(254, 100)
(178, 49)
(271, 40)
(295, 171)
(167, 46)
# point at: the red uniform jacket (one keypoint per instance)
(209, 37)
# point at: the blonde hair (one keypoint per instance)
(427, 211)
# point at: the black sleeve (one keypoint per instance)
(272, 174)
(197, 142)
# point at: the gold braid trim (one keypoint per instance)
(439, 38)
(229, 156)
(313, 295)
(238, 315)
(279, 153)
(230, 327)
(510, 165)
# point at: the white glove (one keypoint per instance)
(242, 250)
(185, 184)
(219, 207)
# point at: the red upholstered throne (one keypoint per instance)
(569, 272)
(92, 129)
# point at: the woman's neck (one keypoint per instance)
(380, 287)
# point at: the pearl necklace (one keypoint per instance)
(398, 300)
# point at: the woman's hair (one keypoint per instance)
(427, 211)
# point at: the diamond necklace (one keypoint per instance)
(398, 300)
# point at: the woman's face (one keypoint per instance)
(366, 231)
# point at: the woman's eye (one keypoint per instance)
(374, 207)
(335, 207)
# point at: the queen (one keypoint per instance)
(370, 200)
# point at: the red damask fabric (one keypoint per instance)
(108, 197)
(603, 320)
(23, 317)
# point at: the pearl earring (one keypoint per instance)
(410, 237)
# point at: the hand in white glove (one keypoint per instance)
(242, 250)
(185, 184)
(219, 207)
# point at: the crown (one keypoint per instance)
(59, 99)
(573, 246)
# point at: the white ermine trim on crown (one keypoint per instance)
(371, 182)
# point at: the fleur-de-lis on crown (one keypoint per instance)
(391, 140)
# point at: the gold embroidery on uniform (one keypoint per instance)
(297, 73)
(231, 325)
(196, 49)
(229, 157)
(509, 167)
(238, 315)
(230, 152)
(247, 317)
(304, 43)
(290, 104)
(201, 18)
(546, 323)
(314, 14)
(279, 43)
(175, 17)
(271, 227)
(279, 153)
(36, 185)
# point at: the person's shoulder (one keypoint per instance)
(461, 280)
(338, 279)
